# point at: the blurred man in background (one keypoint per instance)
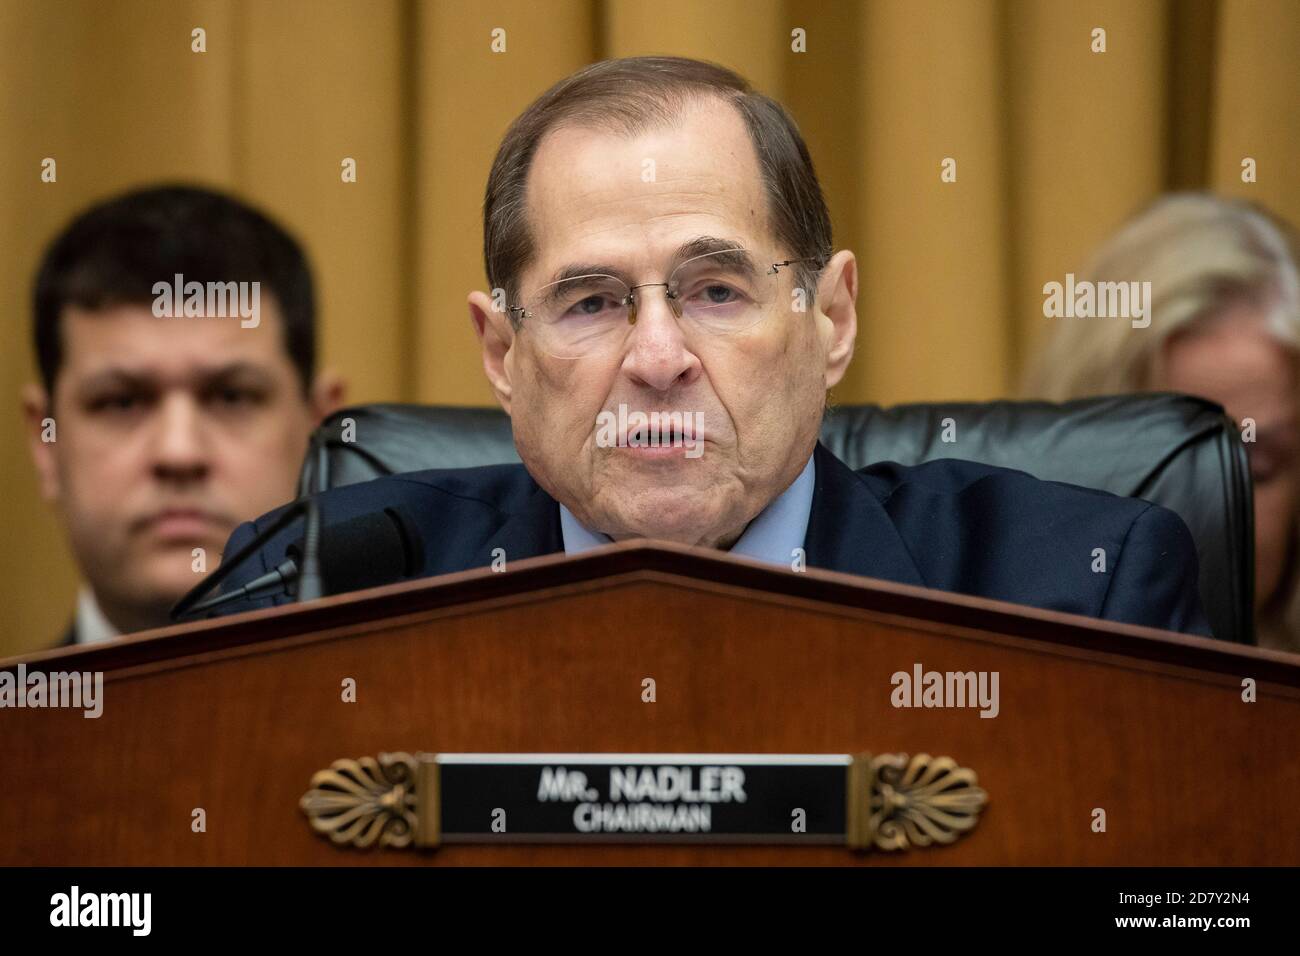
(161, 423)
(1225, 325)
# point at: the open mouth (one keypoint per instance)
(670, 437)
(649, 432)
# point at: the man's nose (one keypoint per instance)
(657, 354)
(180, 450)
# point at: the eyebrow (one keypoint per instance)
(147, 381)
(699, 246)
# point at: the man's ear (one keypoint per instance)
(328, 393)
(496, 336)
(36, 410)
(837, 293)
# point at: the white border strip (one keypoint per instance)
(813, 760)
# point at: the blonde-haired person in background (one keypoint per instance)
(1224, 314)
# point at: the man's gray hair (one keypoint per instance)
(626, 96)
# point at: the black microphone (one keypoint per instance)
(379, 547)
(375, 548)
(231, 561)
(284, 573)
(310, 586)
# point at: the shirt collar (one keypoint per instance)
(91, 625)
(773, 536)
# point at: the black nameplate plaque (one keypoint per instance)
(864, 801)
(751, 798)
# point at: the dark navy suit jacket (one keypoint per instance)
(948, 524)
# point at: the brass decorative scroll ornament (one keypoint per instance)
(896, 802)
(364, 802)
(869, 802)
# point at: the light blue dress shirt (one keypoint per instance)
(772, 536)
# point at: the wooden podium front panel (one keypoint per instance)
(1186, 772)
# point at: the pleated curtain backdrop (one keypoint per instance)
(1054, 145)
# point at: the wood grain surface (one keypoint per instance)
(235, 715)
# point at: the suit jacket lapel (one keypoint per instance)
(849, 529)
(532, 531)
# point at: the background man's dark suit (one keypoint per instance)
(949, 524)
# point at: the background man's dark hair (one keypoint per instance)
(627, 96)
(114, 252)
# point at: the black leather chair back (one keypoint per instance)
(1173, 450)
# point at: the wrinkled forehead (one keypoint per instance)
(596, 194)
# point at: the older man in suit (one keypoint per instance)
(667, 314)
